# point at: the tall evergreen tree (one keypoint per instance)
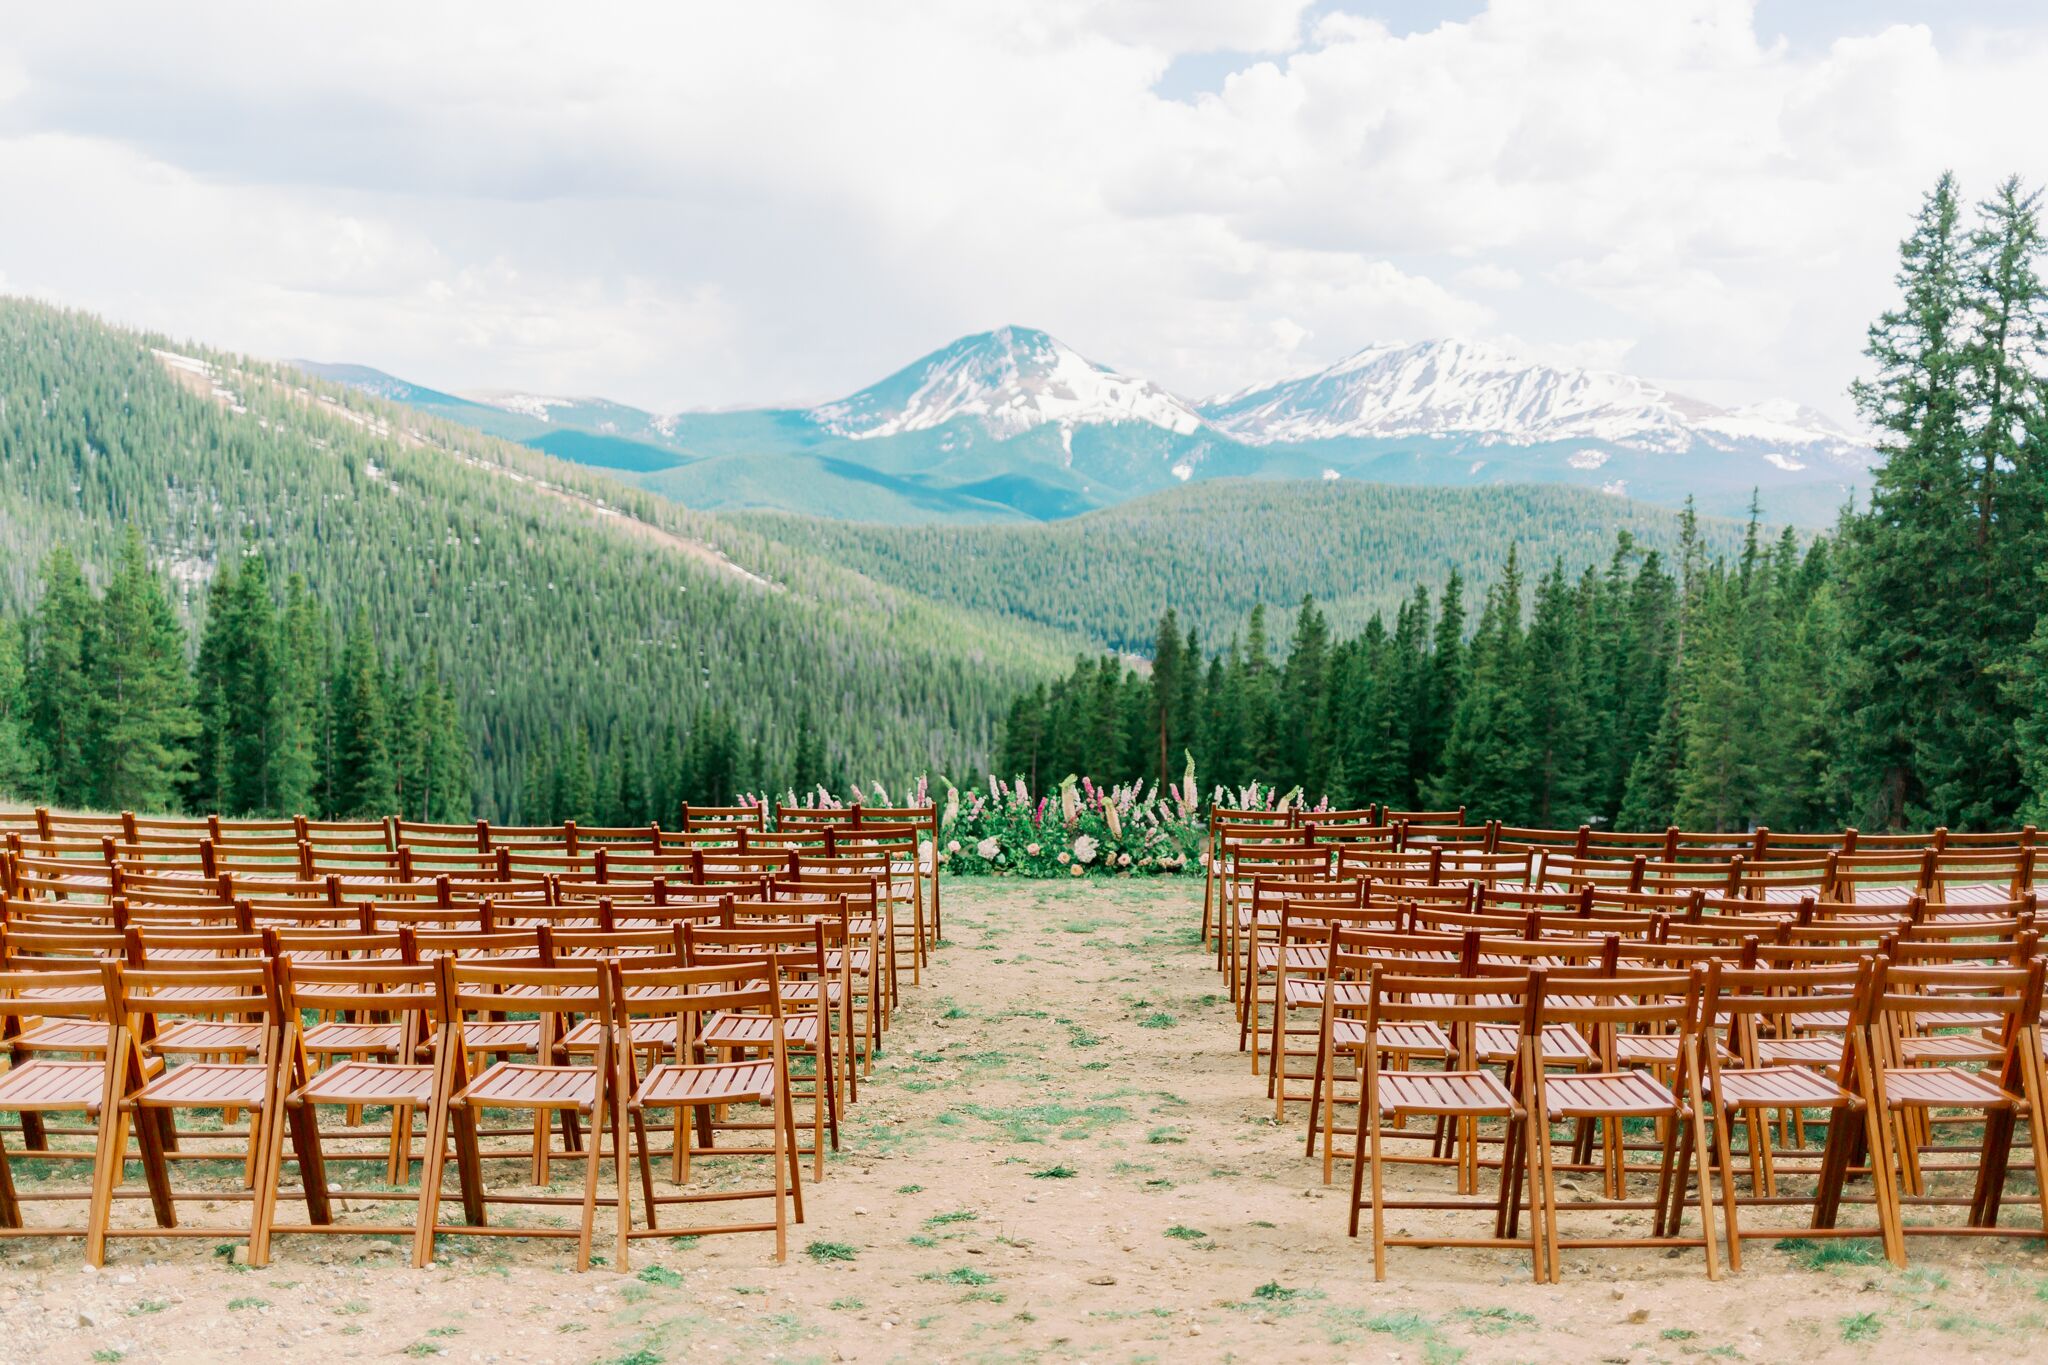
(139, 709)
(364, 782)
(54, 682)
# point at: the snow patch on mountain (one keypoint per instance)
(532, 405)
(1009, 381)
(1490, 397)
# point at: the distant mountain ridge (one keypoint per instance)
(1013, 424)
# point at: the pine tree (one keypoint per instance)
(1909, 554)
(364, 782)
(579, 783)
(1166, 693)
(1300, 744)
(1555, 685)
(302, 677)
(17, 759)
(140, 711)
(54, 682)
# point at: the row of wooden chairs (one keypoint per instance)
(1576, 1033)
(596, 1032)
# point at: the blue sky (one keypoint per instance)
(717, 204)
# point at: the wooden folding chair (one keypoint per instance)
(1919, 1025)
(1468, 1097)
(409, 1013)
(709, 1080)
(786, 954)
(223, 1019)
(1608, 1099)
(545, 1087)
(1756, 1008)
(68, 1009)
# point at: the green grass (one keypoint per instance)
(1403, 1326)
(1035, 1122)
(659, 1274)
(846, 1305)
(1186, 1234)
(939, 1220)
(1055, 1173)
(966, 1275)
(1493, 1322)
(1860, 1326)
(830, 1251)
(1157, 1019)
(1821, 1254)
(247, 1301)
(910, 1189)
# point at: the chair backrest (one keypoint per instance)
(383, 987)
(223, 988)
(76, 991)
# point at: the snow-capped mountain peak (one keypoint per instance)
(1455, 388)
(1488, 396)
(1009, 381)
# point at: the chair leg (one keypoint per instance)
(10, 1203)
(106, 1175)
(305, 1131)
(782, 1172)
(432, 1161)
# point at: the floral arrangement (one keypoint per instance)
(1075, 829)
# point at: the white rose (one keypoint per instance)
(988, 848)
(1031, 849)
(1063, 855)
(953, 846)
(1084, 849)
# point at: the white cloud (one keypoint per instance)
(1489, 276)
(708, 205)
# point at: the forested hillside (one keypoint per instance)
(1213, 551)
(561, 610)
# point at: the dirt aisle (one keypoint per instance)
(1062, 1157)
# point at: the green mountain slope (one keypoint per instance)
(549, 597)
(1213, 550)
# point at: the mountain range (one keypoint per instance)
(1014, 425)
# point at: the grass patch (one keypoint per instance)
(1860, 1326)
(1055, 1173)
(966, 1275)
(1181, 1233)
(659, 1275)
(1815, 1254)
(1493, 1322)
(830, 1251)
(247, 1301)
(1157, 1019)
(1035, 1122)
(939, 1220)
(846, 1305)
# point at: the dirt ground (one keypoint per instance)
(1062, 1157)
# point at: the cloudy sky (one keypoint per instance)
(707, 205)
